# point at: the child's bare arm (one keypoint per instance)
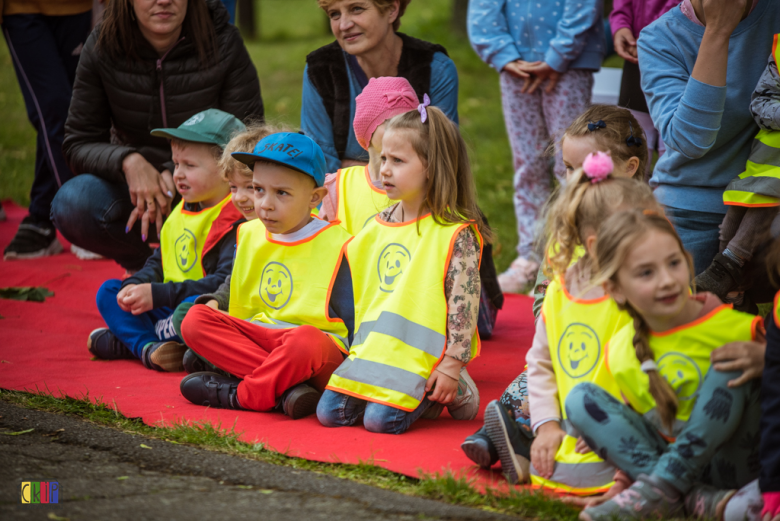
(765, 104)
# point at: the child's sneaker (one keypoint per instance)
(521, 272)
(465, 406)
(103, 344)
(512, 445)
(300, 401)
(192, 363)
(721, 277)
(164, 356)
(480, 449)
(648, 497)
(33, 239)
(707, 502)
(83, 254)
(211, 389)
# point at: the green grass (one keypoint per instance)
(446, 488)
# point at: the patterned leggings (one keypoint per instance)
(718, 446)
(532, 122)
(516, 398)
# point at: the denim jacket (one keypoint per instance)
(566, 34)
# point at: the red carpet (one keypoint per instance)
(43, 345)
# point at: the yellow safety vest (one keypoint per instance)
(577, 330)
(358, 199)
(283, 285)
(187, 236)
(682, 355)
(759, 184)
(398, 279)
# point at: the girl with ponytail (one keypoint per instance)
(684, 434)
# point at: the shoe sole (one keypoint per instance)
(169, 357)
(52, 249)
(83, 254)
(476, 453)
(303, 405)
(511, 463)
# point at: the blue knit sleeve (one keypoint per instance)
(316, 123)
(489, 33)
(571, 37)
(444, 85)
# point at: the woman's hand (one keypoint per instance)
(445, 388)
(625, 45)
(548, 438)
(747, 357)
(137, 299)
(146, 193)
(541, 72)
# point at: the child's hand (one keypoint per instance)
(625, 45)
(139, 299)
(120, 297)
(548, 438)
(747, 357)
(541, 71)
(581, 447)
(520, 69)
(446, 388)
(593, 501)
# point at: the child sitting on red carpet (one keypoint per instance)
(195, 253)
(290, 309)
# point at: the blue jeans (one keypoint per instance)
(340, 410)
(699, 232)
(135, 331)
(92, 213)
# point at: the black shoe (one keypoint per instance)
(480, 449)
(721, 277)
(33, 239)
(164, 356)
(513, 447)
(3, 216)
(211, 389)
(300, 401)
(103, 344)
(194, 364)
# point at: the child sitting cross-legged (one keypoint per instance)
(195, 253)
(290, 312)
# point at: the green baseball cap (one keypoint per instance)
(211, 126)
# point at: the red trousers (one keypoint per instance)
(269, 361)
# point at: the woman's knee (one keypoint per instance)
(74, 202)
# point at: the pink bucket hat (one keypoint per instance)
(382, 99)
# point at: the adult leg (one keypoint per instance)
(699, 232)
(92, 213)
(384, 419)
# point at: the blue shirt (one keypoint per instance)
(707, 130)
(317, 125)
(565, 34)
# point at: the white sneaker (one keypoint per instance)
(466, 405)
(520, 273)
(83, 254)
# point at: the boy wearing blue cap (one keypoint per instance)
(289, 314)
(195, 254)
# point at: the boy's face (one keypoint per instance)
(284, 198)
(196, 173)
(242, 193)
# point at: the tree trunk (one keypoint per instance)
(246, 19)
(458, 22)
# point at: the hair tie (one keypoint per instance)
(631, 140)
(649, 365)
(421, 108)
(593, 127)
(597, 166)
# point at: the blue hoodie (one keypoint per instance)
(566, 34)
(707, 130)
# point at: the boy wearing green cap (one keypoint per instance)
(195, 254)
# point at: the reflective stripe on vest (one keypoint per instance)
(182, 239)
(759, 184)
(577, 330)
(284, 285)
(682, 355)
(358, 199)
(400, 311)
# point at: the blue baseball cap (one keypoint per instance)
(290, 149)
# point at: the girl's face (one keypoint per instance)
(654, 278)
(576, 148)
(242, 193)
(359, 26)
(403, 174)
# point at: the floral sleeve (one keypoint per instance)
(462, 287)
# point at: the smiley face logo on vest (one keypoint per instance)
(391, 265)
(276, 285)
(579, 350)
(186, 248)
(682, 373)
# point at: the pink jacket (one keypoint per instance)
(637, 14)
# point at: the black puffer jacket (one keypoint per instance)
(130, 95)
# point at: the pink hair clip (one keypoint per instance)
(597, 166)
(421, 108)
